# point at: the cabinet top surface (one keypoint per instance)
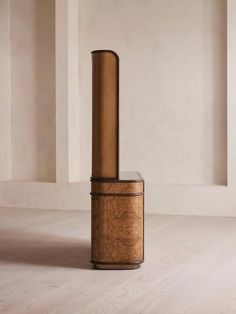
(124, 176)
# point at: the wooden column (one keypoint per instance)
(105, 139)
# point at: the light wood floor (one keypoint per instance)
(190, 266)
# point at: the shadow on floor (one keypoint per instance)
(42, 249)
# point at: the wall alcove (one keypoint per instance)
(28, 106)
(38, 90)
(173, 85)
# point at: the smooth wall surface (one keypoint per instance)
(5, 91)
(33, 90)
(172, 86)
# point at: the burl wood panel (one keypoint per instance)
(117, 229)
(116, 187)
(105, 98)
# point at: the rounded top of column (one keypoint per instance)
(105, 50)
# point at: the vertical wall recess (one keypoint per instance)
(231, 108)
(33, 90)
(173, 93)
(39, 90)
(67, 90)
(5, 91)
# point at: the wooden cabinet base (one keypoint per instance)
(117, 222)
(116, 266)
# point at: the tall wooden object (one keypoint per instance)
(117, 198)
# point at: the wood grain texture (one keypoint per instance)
(117, 229)
(117, 222)
(105, 120)
(130, 187)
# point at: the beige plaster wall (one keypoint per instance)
(5, 91)
(172, 85)
(33, 90)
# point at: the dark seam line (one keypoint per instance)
(118, 263)
(116, 194)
